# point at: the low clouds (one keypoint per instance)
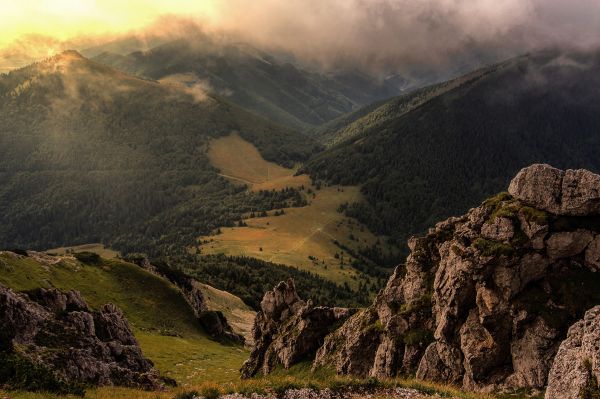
(386, 36)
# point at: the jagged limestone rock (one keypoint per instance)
(483, 300)
(576, 367)
(565, 244)
(58, 332)
(352, 348)
(288, 329)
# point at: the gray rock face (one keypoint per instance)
(214, 322)
(58, 331)
(499, 229)
(287, 329)
(483, 300)
(592, 255)
(352, 349)
(576, 367)
(571, 192)
(565, 244)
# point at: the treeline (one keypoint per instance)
(250, 278)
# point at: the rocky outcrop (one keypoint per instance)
(571, 193)
(484, 300)
(576, 369)
(288, 329)
(56, 333)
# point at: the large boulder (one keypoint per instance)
(576, 369)
(565, 244)
(57, 332)
(571, 192)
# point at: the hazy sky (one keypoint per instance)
(66, 19)
(380, 33)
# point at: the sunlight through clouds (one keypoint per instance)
(65, 19)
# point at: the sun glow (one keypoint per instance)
(66, 19)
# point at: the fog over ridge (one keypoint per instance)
(379, 36)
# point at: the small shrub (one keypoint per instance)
(423, 303)
(496, 200)
(534, 215)
(377, 326)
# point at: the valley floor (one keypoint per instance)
(315, 237)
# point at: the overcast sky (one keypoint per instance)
(377, 34)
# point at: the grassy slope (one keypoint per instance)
(161, 319)
(239, 315)
(95, 248)
(375, 115)
(301, 232)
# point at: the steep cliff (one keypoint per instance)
(485, 300)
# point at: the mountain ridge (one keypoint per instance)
(74, 131)
(463, 145)
(255, 80)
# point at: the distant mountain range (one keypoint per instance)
(437, 151)
(260, 82)
(92, 154)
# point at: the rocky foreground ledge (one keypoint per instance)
(484, 300)
(51, 340)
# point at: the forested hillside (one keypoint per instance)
(458, 146)
(89, 154)
(257, 81)
(250, 278)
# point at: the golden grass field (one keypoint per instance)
(240, 162)
(301, 232)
